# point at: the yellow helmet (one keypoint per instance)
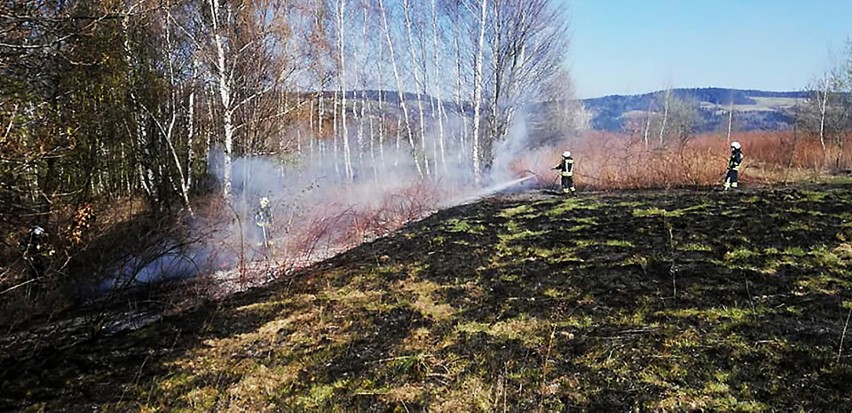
(264, 202)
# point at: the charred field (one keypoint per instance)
(670, 300)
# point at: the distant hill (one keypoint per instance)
(753, 109)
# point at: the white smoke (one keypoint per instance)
(307, 188)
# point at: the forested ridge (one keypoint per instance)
(133, 130)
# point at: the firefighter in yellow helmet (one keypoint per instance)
(567, 171)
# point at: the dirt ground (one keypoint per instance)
(670, 300)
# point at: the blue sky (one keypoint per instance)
(638, 46)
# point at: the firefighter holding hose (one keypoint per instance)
(263, 219)
(567, 171)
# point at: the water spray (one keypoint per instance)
(497, 188)
(506, 185)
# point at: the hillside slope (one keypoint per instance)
(684, 299)
(753, 109)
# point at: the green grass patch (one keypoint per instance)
(571, 205)
(559, 255)
(584, 221)
(660, 212)
(694, 247)
(636, 259)
(518, 235)
(461, 225)
(511, 212)
(649, 212)
(713, 314)
(822, 284)
(530, 331)
(320, 395)
(815, 196)
(740, 254)
(825, 257)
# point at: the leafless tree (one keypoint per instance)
(827, 112)
(399, 84)
(478, 81)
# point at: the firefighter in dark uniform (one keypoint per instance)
(36, 251)
(734, 163)
(263, 219)
(567, 170)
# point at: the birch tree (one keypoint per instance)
(250, 66)
(221, 16)
(528, 41)
(667, 97)
(344, 131)
(478, 80)
(827, 112)
(438, 82)
(399, 86)
(418, 81)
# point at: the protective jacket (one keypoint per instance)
(263, 216)
(735, 161)
(36, 251)
(566, 166)
(34, 244)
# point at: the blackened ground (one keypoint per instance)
(676, 300)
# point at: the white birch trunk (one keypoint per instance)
(647, 126)
(477, 92)
(462, 153)
(335, 156)
(418, 83)
(379, 71)
(730, 122)
(437, 83)
(493, 116)
(373, 160)
(224, 84)
(320, 108)
(145, 173)
(190, 136)
(665, 116)
(347, 153)
(400, 92)
(312, 136)
(398, 143)
(169, 132)
(823, 109)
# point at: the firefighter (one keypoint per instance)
(734, 165)
(36, 251)
(567, 168)
(263, 218)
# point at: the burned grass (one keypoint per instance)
(672, 300)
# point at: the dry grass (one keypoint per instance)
(606, 161)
